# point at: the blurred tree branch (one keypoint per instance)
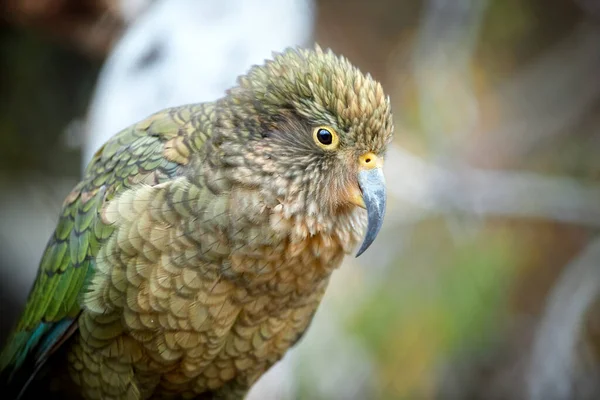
(557, 371)
(543, 100)
(436, 190)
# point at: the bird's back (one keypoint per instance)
(149, 153)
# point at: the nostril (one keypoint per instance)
(368, 160)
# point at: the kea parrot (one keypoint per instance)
(196, 249)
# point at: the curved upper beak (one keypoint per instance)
(373, 197)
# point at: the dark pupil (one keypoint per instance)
(324, 136)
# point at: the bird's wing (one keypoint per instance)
(150, 152)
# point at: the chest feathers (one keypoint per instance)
(196, 291)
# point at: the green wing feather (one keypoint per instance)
(150, 152)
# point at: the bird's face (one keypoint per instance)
(315, 131)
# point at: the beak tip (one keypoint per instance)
(359, 252)
(366, 244)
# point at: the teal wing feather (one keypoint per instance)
(150, 152)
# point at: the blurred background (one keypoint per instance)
(485, 282)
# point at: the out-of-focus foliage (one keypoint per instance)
(494, 195)
(421, 316)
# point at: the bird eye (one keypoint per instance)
(325, 137)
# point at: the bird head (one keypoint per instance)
(309, 129)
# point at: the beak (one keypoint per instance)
(372, 185)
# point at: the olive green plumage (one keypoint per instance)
(200, 241)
